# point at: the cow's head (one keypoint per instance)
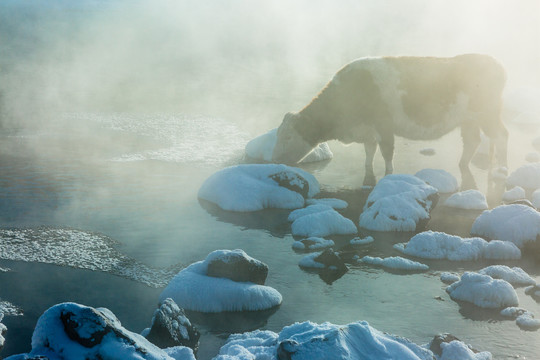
(290, 147)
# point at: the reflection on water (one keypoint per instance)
(149, 211)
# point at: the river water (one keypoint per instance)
(103, 210)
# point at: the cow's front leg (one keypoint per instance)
(471, 140)
(387, 150)
(369, 178)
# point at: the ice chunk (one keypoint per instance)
(394, 262)
(483, 291)
(262, 147)
(440, 179)
(320, 221)
(516, 223)
(526, 176)
(469, 199)
(398, 203)
(252, 187)
(515, 276)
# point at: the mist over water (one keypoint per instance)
(113, 113)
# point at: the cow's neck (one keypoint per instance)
(315, 122)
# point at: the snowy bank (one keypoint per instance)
(468, 199)
(77, 332)
(439, 245)
(193, 289)
(320, 221)
(252, 187)
(262, 147)
(517, 223)
(398, 203)
(440, 179)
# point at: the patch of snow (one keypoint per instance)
(440, 179)
(249, 187)
(334, 203)
(312, 243)
(397, 203)
(394, 262)
(438, 245)
(515, 276)
(262, 147)
(527, 176)
(468, 199)
(516, 223)
(483, 291)
(457, 350)
(516, 193)
(449, 278)
(193, 290)
(362, 241)
(320, 221)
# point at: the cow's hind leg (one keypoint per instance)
(370, 147)
(471, 140)
(387, 150)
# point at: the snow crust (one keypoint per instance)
(438, 245)
(468, 199)
(397, 203)
(310, 341)
(312, 243)
(483, 291)
(262, 147)
(248, 187)
(320, 221)
(440, 179)
(516, 193)
(394, 262)
(516, 223)
(527, 176)
(193, 290)
(515, 276)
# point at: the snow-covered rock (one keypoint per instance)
(193, 289)
(483, 291)
(457, 350)
(334, 203)
(527, 321)
(515, 276)
(320, 221)
(449, 278)
(252, 187)
(78, 332)
(362, 241)
(262, 147)
(516, 223)
(325, 260)
(440, 179)
(468, 199)
(310, 341)
(394, 262)
(398, 203)
(516, 193)
(527, 176)
(439, 245)
(312, 243)
(3, 329)
(237, 266)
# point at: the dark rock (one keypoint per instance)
(522, 202)
(331, 260)
(238, 266)
(171, 327)
(286, 349)
(435, 345)
(291, 181)
(87, 327)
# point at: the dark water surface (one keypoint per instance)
(124, 190)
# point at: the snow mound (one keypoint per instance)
(397, 203)
(394, 262)
(440, 179)
(469, 199)
(334, 203)
(483, 291)
(449, 278)
(312, 243)
(309, 341)
(457, 350)
(517, 223)
(193, 290)
(515, 276)
(252, 187)
(77, 332)
(262, 147)
(320, 221)
(439, 245)
(362, 241)
(526, 176)
(516, 193)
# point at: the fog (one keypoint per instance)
(247, 61)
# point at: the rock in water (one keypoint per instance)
(171, 327)
(238, 266)
(291, 181)
(331, 260)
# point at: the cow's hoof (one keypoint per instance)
(370, 180)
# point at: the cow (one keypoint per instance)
(371, 100)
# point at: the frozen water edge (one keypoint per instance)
(77, 249)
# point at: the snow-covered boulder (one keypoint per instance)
(527, 176)
(440, 179)
(515, 276)
(394, 262)
(468, 199)
(312, 243)
(361, 241)
(262, 147)
(438, 245)
(193, 289)
(449, 347)
(78, 332)
(3, 329)
(524, 319)
(398, 203)
(170, 327)
(483, 291)
(237, 266)
(449, 278)
(320, 221)
(311, 341)
(325, 260)
(514, 194)
(252, 187)
(334, 203)
(516, 223)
